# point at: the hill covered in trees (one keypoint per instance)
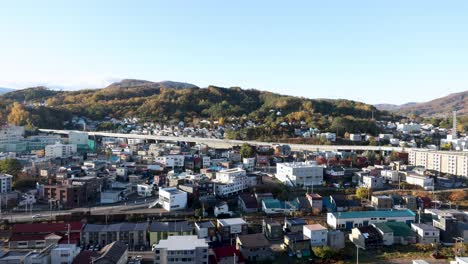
(173, 101)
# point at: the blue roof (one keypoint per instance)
(367, 214)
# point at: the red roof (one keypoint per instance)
(228, 251)
(27, 237)
(46, 227)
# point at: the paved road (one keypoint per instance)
(227, 143)
(131, 207)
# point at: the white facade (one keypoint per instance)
(391, 175)
(206, 161)
(426, 182)
(145, 190)
(451, 162)
(317, 233)
(248, 164)
(5, 183)
(59, 150)
(355, 137)
(78, 138)
(230, 181)
(349, 220)
(372, 182)
(64, 253)
(171, 160)
(181, 249)
(300, 173)
(172, 199)
(409, 128)
(11, 134)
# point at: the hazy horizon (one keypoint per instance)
(375, 52)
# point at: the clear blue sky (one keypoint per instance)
(372, 51)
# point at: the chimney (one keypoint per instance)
(454, 128)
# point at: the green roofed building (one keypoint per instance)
(275, 206)
(350, 220)
(395, 233)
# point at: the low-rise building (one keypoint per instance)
(420, 180)
(316, 202)
(366, 237)
(372, 182)
(317, 233)
(247, 203)
(349, 220)
(294, 225)
(206, 230)
(426, 234)
(297, 242)
(172, 199)
(6, 183)
(132, 234)
(382, 202)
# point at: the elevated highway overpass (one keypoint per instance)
(228, 143)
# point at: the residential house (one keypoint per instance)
(382, 202)
(272, 229)
(231, 227)
(254, 247)
(366, 237)
(247, 203)
(206, 230)
(294, 225)
(297, 242)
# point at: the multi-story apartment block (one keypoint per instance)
(59, 150)
(300, 173)
(231, 181)
(451, 162)
(181, 249)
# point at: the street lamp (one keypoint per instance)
(357, 252)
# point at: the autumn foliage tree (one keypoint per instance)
(18, 115)
(458, 196)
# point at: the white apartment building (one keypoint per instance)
(11, 134)
(206, 161)
(78, 138)
(172, 199)
(317, 233)
(59, 150)
(450, 162)
(231, 181)
(5, 183)
(424, 181)
(300, 173)
(390, 175)
(181, 249)
(171, 161)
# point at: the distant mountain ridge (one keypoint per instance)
(393, 107)
(4, 90)
(170, 101)
(440, 107)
